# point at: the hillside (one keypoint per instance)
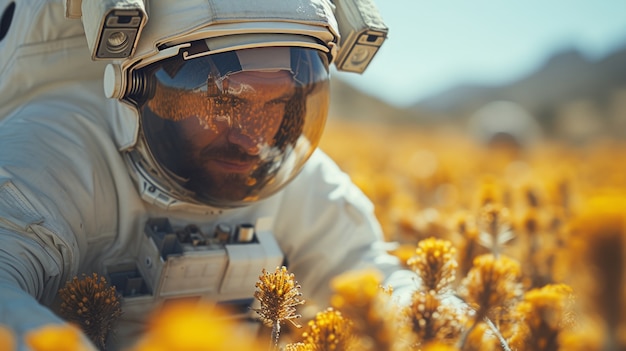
(568, 89)
(570, 96)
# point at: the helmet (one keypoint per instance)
(230, 128)
(227, 98)
(229, 106)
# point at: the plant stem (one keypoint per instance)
(495, 330)
(275, 336)
(466, 333)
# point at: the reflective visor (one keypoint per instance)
(231, 128)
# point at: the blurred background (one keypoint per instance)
(561, 62)
(488, 114)
(531, 93)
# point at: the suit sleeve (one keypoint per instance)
(44, 213)
(33, 264)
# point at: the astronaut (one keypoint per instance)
(119, 128)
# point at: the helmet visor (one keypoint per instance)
(235, 127)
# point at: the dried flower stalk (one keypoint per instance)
(279, 295)
(434, 263)
(495, 227)
(492, 282)
(91, 304)
(430, 320)
(330, 330)
(541, 316)
(492, 285)
(470, 247)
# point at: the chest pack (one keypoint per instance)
(220, 266)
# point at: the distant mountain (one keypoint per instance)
(347, 102)
(566, 76)
(570, 97)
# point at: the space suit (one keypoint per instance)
(107, 185)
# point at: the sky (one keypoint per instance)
(433, 45)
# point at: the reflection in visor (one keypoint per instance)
(231, 136)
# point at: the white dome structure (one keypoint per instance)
(500, 120)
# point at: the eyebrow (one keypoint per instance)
(287, 95)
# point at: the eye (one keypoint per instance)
(280, 101)
(227, 101)
(219, 100)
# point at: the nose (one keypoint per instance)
(249, 143)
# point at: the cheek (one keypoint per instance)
(200, 133)
(265, 122)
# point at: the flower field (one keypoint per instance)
(532, 239)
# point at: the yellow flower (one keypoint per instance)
(586, 337)
(197, 326)
(55, 338)
(7, 339)
(299, 346)
(438, 346)
(470, 247)
(360, 298)
(430, 320)
(355, 288)
(494, 226)
(598, 248)
(434, 263)
(491, 283)
(542, 315)
(489, 191)
(329, 331)
(404, 252)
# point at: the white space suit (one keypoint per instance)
(69, 206)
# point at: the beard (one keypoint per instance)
(215, 184)
(191, 164)
(219, 186)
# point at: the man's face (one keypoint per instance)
(229, 142)
(228, 128)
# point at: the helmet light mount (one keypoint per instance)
(362, 34)
(113, 29)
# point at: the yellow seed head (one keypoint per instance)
(279, 294)
(299, 346)
(430, 320)
(435, 264)
(542, 315)
(491, 283)
(91, 304)
(329, 331)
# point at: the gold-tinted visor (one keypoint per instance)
(231, 128)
